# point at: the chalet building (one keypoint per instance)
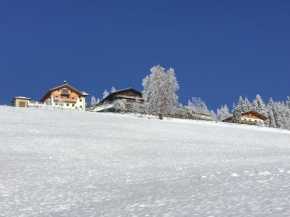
(63, 96)
(250, 118)
(128, 95)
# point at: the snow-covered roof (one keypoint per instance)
(119, 91)
(20, 97)
(85, 94)
(61, 86)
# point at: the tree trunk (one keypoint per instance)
(160, 116)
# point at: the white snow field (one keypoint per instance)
(69, 163)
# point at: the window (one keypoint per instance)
(67, 104)
(64, 91)
(73, 105)
(80, 106)
(81, 100)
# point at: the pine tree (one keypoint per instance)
(259, 106)
(159, 91)
(93, 100)
(234, 108)
(98, 100)
(113, 90)
(288, 102)
(241, 106)
(247, 105)
(105, 94)
(223, 113)
(213, 115)
(270, 106)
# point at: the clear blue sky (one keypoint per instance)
(219, 49)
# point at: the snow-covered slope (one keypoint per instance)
(68, 163)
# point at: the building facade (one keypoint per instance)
(62, 97)
(21, 101)
(250, 118)
(66, 97)
(129, 96)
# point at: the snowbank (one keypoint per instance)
(68, 163)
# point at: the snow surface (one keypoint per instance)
(69, 163)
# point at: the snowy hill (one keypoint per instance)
(68, 163)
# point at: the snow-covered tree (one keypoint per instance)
(234, 108)
(119, 105)
(213, 115)
(223, 113)
(247, 105)
(159, 91)
(288, 102)
(98, 100)
(241, 105)
(105, 94)
(113, 89)
(259, 106)
(197, 106)
(271, 111)
(137, 106)
(93, 101)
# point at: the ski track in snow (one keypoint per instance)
(68, 163)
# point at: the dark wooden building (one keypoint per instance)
(129, 96)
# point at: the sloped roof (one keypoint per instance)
(62, 86)
(256, 114)
(121, 91)
(20, 97)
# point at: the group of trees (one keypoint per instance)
(278, 113)
(160, 98)
(95, 101)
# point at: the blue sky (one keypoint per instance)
(219, 49)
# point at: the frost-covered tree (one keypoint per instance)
(234, 108)
(213, 115)
(241, 106)
(98, 100)
(271, 111)
(159, 91)
(247, 105)
(288, 102)
(137, 106)
(223, 113)
(197, 106)
(119, 105)
(93, 100)
(259, 106)
(113, 89)
(105, 94)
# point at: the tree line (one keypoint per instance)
(160, 99)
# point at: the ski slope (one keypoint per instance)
(69, 163)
